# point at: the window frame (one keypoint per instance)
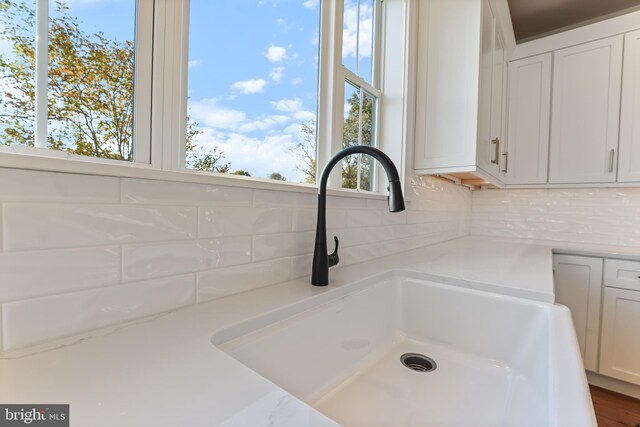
(332, 77)
(143, 68)
(162, 49)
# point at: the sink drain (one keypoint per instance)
(418, 362)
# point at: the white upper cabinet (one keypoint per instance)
(585, 112)
(455, 85)
(448, 70)
(529, 114)
(629, 159)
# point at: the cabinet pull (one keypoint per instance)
(612, 154)
(506, 161)
(496, 153)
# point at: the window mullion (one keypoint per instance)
(169, 84)
(142, 86)
(330, 89)
(41, 73)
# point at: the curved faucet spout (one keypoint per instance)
(321, 260)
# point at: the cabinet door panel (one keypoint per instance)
(486, 154)
(586, 110)
(578, 285)
(620, 355)
(528, 125)
(447, 86)
(629, 169)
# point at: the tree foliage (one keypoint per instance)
(354, 134)
(306, 150)
(276, 176)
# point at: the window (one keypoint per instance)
(67, 77)
(266, 88)
(359, 30)
(252, 99)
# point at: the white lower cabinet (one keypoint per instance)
(620, 349)
(578, 285)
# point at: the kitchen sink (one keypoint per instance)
(398, 349)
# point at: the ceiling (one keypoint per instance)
(536, 18)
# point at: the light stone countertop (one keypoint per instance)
(164, 371)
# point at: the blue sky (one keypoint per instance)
(253, 68)
(253, 79)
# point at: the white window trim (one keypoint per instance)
(161, 76)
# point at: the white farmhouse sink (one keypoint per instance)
(501, 361)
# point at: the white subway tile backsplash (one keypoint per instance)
(24, 185)
(31, 274)
(79, 252)
(306, 219)
(241, 221)
(181, 193)
(590, 215)
(341, 202)
(282, 245)
(164, 259)
(363, 218)
(392, 218)
(280, 199)
(232, 280)
(301, 265)
(32, 226)
(33, 321)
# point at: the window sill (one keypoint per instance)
(114, 168)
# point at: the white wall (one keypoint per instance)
(80, 252)
(608, 216)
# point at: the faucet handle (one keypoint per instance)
(333, 258)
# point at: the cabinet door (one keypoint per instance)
(620, 355)
(447, 85)
(486, 153)
(629, 163)
(578, 285)
(585, 112)
(528, 125)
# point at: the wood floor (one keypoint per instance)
(615, 410)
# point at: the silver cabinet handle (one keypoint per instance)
(506, 161)
(612, 155)
(496, 153)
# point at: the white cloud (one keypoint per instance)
(296, 81)
(258, 156)
(350, 32)
(288, 105)
(263, 123)
(310, 3)
(194, 63)
(249, 86)
(305, 116)
(276, 53)
(294, 129)
(208, 113)
(276, 74)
